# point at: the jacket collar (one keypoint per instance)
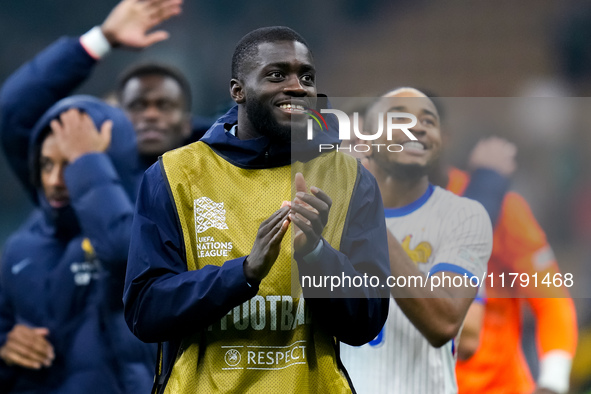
(262, 152)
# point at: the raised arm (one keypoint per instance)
(438, 311)
(103, 208)
(492, 162)
(62, 67)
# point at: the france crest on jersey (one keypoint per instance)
(440, 232)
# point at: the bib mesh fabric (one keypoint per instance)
(270, 343)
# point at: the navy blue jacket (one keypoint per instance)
(52, 75)
(30, 91)
(488, 187)
(64, 269)
(164, 302)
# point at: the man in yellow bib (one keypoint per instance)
(211, 258)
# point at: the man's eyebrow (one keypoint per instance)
(433, 114)
(287, 65)
(308, 67)
(402, 108)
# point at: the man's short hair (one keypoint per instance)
(247, 47)
(155, 68)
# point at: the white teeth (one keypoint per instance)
(296, 107)
(413, 145)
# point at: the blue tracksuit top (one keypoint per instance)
(50, 76)
(64, 269)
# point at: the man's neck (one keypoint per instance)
(439, 174)
(398, 191)
(245, 129)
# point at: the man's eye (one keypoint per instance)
(46, 165)
(136, 106)
(307, 78)
(429, 122)
(166, 106)
(275, 75)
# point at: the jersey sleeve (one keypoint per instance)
(467, 243)
(556, 323)
(527, 250)
(520, 237)
(521, 246)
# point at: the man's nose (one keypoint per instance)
(294, 87)
(418, 130)
(151, 112)
(56, 177)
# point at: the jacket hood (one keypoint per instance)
(263, 152)
(122, 151)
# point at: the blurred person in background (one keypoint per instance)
(440, 235)
(156, 97)
(61, 274)
(69, 336)
(490, 355)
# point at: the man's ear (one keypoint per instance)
(237, 91)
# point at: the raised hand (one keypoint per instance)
(494, 153)
(76, 134)
(27, 347)
(129, 22)
(266, 245)
(309, 213)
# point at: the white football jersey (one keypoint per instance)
(440, 232)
